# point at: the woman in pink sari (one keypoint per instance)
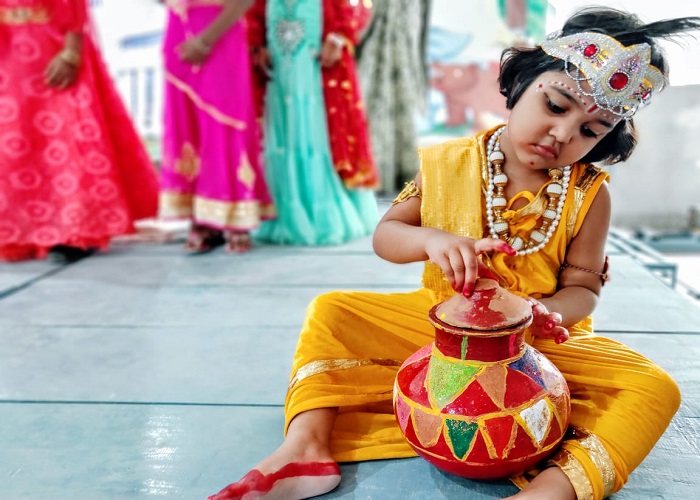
(73, 171)
(211, 172)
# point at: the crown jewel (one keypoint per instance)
(620, 78)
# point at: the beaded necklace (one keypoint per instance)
(496, 201)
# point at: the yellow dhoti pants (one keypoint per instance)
(353, 343)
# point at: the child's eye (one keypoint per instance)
(554, 108)
(588, 132)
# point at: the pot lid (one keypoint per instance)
(490, 307)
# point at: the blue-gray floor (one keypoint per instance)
(143, 372)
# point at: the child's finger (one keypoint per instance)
(538, 308)
(471, 272)
(492, 245)
(561, 335)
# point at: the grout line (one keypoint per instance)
(136, 403)
(16, 289)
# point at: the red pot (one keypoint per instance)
(479, 402)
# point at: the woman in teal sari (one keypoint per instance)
(314, 206)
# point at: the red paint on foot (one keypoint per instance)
(263, 483)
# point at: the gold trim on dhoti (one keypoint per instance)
(327, 365)
(600, 457)
(576, 473)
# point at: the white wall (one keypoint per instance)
(137, 71)
(661, 181)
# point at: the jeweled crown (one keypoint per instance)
(621, 78)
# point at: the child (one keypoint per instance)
(526, 194)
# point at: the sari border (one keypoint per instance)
(222, 214)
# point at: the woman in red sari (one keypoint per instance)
(347, 122)
(73, 171)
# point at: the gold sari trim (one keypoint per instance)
(600, 458)
(245, 173)
(23, 15)
(328, 365)
(199, 102)
(224, 214)
(175, 205)
(189, 163)
(409, 190)
(576, 473)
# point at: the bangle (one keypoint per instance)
(603, 276)
(70, 56)
(336, 40)
(201, 46)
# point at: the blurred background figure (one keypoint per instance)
(73, 171)
(318, 161)
(212, 167)
(391, 61)
(345, 110)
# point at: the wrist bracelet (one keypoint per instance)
(70, 56)
(336, 40)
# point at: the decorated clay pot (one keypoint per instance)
(479, 402)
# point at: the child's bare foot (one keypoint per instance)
(550, 484)
(285, 475)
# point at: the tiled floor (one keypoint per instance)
(146, 373)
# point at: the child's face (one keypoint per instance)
(553, 124)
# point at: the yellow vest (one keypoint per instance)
(453, 184)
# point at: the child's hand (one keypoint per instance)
(545, 324)
(457, 257)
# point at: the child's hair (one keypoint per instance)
(521, 66)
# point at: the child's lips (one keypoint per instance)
(545, 151)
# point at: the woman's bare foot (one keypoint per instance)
(302, 467)
(238, 241)
(202, 239)
(550, 484)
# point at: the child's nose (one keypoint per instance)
(562, 132)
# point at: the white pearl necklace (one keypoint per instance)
(496, 201)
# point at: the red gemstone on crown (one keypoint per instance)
(590, 50)
(618, 81)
